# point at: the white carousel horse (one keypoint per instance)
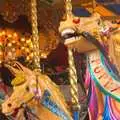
(100, 41)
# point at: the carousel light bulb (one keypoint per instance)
(13, 49)
(22, 48)
(27, 50)
(13, 41)
(15, 34)
(1, 53)
(9, 44)
(3, 32)
(28, 41)
(43, 55)
(28, 58)
(0, 34)
(1, 43)
(35, 53)
(31, 55)
(22, 39)
(9, 53)
(9, 35)
(31, 45)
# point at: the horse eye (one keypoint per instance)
(9, 104)
(27, 88)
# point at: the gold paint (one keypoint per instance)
(73, 80)
(20, 78)
(72, 70)
(35, 36)
(114, 48)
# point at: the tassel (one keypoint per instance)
(106, 114)
(76, 115)
(93, 105)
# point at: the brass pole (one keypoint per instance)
(73, 81)
(35, 36)
(72, 69)
(68, 8)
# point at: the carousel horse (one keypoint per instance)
(100, 41)
(34, 96)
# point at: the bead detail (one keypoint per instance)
(76, 20)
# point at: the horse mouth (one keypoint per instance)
(8, 113)
(69, 36)
(13, 113)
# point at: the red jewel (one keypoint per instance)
(76, 20)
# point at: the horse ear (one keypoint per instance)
(18, 65)
(17, 71)
(26, 70)
(19, 79)
(13, 70)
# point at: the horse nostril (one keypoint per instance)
(27, 88)
(9, 105)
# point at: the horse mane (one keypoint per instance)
(113, 44)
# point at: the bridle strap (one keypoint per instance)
(28, 110)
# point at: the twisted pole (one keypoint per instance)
(68, 5)
(72, 71)
(73, 81)
(35, 36)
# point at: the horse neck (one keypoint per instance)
(41, 112)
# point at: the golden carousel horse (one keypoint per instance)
(35, 93)
(100, 41)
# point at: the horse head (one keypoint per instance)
(74, 32)
(71, 30)
(30, 89)
(24, 86)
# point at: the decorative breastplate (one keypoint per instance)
(52, 106)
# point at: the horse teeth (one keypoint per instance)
(77, 38)
(68, 41)
(71, 40)
(66, 31)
